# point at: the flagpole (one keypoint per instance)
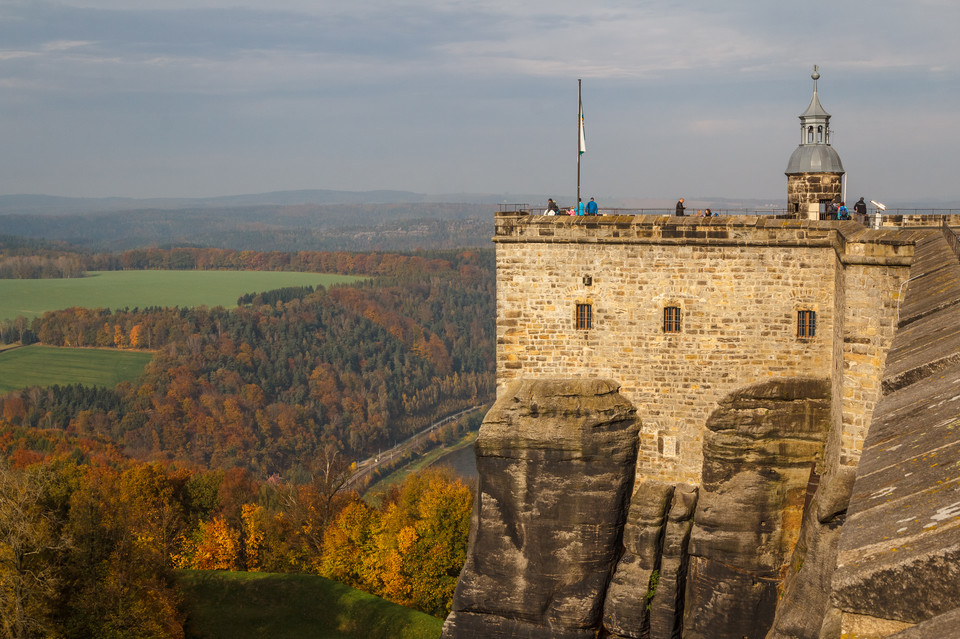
(579, 132)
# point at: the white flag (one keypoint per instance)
(583, 143)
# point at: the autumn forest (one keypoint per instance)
(231, 451)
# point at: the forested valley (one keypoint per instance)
(230, 451)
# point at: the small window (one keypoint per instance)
(806, 323)
(584, 316)
(671, 319)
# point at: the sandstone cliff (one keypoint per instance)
(556, 551)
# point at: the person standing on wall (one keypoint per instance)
(579, 206)
(552, 208)
(860, 208)
(591, 207)
(680, 207)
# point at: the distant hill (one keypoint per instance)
(268, 227)
(56, 205)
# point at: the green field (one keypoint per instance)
(249, 605)
(140, 289)
(47, 365)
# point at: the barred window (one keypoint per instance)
(671, 319)
(806, 323)
(584, 316)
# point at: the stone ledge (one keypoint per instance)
(853, 243)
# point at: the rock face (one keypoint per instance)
(759, 451)
(559, 548)
(804, 609)
(556, 461)
(645, 597)
(666, 607)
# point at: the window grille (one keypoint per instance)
(584, 316)
(671, 319)
(806, 323)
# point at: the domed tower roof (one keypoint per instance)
(814, 155)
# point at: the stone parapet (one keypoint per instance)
(852, 242)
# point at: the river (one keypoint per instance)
(462, 461)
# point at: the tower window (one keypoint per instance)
(584, 316)
(806, 323)
(820, 135)
(671, 319)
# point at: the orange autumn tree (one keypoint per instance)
(411, 550)
(215, 545)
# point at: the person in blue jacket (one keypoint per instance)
(579, 206)
(591, 207)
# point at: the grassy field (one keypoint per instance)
(120, 289)
(46, 365)
(249, 605)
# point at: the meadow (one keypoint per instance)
(142, 289)
(47, 365)
(249, 605)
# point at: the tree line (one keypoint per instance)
(20, 259)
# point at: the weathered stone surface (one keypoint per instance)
(758, 453)
(945, 626)
(666, 607)
(556, 461)
(644, 528)
(803, 610)
(833, 495)
(899, 555)
(853, 626)
(724, 603)
(625, 611)
(928, 339)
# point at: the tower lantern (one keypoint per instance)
(814, 172)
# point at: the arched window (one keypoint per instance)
(809, 135)
(820, 135)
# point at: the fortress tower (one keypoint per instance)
(814, 172)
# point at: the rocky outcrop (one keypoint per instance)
(556, 462)
(559, 549)
(804, 610)
(666, 606)
(627, 607)
(645, 597)
(759, 451)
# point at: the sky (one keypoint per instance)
(198, 98)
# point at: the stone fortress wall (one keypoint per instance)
(739, 283)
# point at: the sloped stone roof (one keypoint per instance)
(899, 555)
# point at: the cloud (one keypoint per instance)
(337, 94)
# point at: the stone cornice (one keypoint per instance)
(853, 243)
